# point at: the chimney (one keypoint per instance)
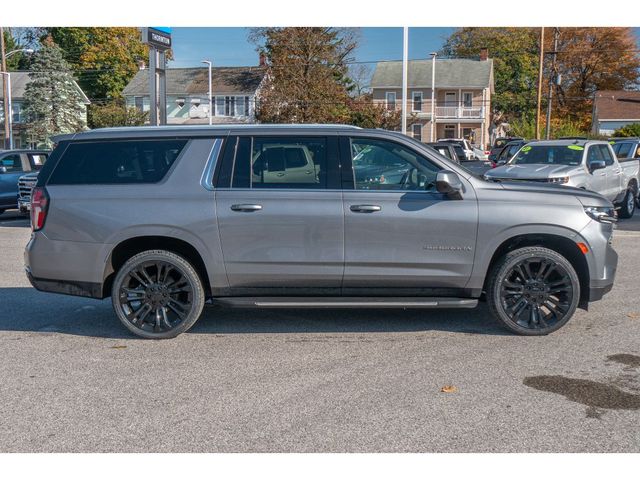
(263, 60)
(141, 65)
(484, 54)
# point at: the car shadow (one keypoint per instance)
(13, 218)
(28, 310)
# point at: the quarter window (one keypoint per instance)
(116, 162)
(384, 165)
(11, 163)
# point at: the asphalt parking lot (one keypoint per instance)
(72, 379)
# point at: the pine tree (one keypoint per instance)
(53, 104)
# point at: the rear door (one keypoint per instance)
(280, 215)
(402, 236)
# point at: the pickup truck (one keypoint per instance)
(587, 164)
(626, 149)
(14, 164)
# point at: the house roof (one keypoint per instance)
(452, 73)
(195, 81)
(617, 105)
(19, 81)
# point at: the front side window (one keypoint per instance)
(116, 162)
(286, 162)
(606, 154)
(385, 165)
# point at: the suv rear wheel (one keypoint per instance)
(157, 294)
(533, 291)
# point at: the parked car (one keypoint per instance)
(508, 151)
(161, 219)
(626, 149)
(499, 144)
(464, 143)
(26, 183)
(13, 164)
(587, 164)
(447, 150)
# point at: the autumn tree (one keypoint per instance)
(307, 79)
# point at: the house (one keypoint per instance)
(613, 109)
(234, 94)
(21, 136)
(462, 94)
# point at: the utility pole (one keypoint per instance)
(540, 68)
(552, 81)
(5, 92)
(433, 95)
(405, 68)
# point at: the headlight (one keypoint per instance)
(558, 180)
(602, 214)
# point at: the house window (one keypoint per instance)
(246, 106)
(469, 134)
(239, 106)
(467, 99)
(139, 103)
(391, 100)
(416, 129)
(230, 106)
(417, 101)
(219, 106)
(449, 131)
(450, 99)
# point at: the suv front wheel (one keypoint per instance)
(157, 294)
(533, 291)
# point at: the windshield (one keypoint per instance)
(549, 154)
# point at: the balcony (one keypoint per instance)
(460, 112)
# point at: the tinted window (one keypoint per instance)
(460, 153)
(286, 162)
(11, 163)
(384, 165)
(37, 160)
(553, 154)
(606, 154)
(622, 150)
(115, 162)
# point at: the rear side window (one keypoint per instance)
(116, 162)
(11, 163)
(623, 150)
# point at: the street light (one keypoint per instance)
(433, 91)
(210, 96)
(8, 111)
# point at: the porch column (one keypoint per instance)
(459, 131)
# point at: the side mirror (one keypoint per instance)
(596, 165)
(3, 169)
(449, 183)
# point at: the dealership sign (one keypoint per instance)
(159, 37)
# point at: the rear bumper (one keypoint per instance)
(78, 289)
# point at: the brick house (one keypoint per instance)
(234, 94)
(463, 89)
(613, 109)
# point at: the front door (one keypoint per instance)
(281, 221)
(401, 235)
(598, 177)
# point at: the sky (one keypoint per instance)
(230, 47)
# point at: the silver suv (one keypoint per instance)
(162, 219)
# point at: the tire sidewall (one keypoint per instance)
(185, 267)
(510, 260)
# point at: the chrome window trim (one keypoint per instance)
(207, 175)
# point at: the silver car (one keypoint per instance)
(162, 219)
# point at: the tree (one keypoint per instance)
(366, 114)
(52, 102)
(591, 59)
(631, 130)
(103, 59)
(115, 114)
(306, 79)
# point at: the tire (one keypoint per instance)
(533, 279)
(157, 294)
(628, 206)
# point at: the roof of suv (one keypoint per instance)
(197, 130)
(581, 143)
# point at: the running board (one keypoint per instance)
(347, 302)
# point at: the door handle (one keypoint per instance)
(246, 207)
(365, 208)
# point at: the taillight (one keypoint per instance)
(39, 207)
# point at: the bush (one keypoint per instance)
(632, 130)
(115, 114)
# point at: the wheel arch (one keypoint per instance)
(134, 245)
(566, 247)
